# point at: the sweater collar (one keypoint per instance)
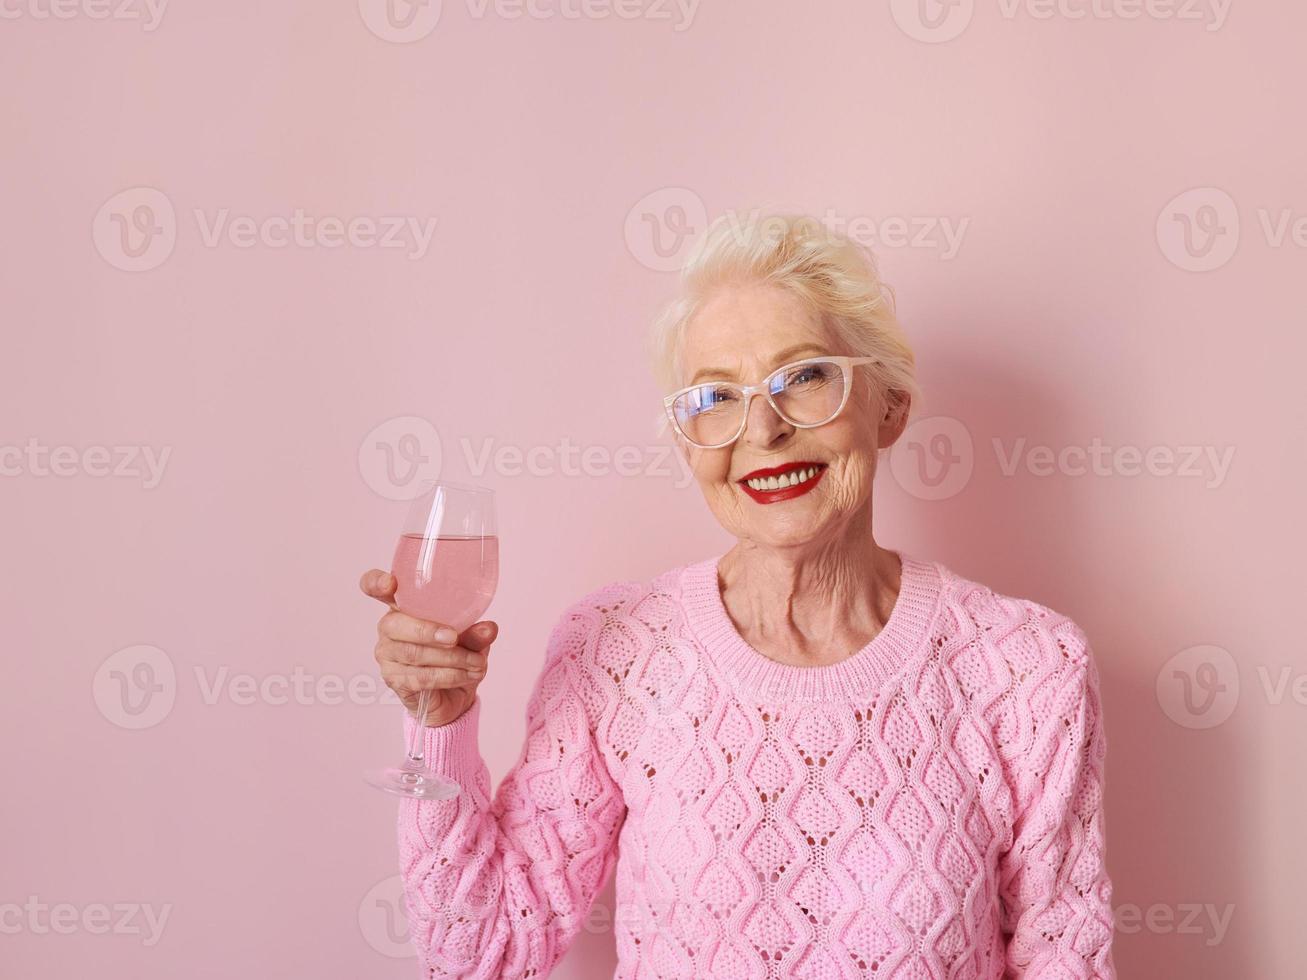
(905, 633)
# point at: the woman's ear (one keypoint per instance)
(895, 418)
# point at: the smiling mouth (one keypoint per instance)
(782, 482)
(788, 478)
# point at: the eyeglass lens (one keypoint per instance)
(803, 394)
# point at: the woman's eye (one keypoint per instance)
(707, 398)
(804, 375)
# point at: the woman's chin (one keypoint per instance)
(786, 532)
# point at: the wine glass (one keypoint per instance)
(446, 567)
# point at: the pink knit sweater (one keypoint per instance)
(930, 807)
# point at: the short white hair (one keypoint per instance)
(835, 275)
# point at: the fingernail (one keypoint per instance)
(446, 636)
(476, 672)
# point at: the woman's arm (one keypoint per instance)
(1054, 890)
(499, 888)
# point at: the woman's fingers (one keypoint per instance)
(418, 655)
(480, 635)
(399, 626)
(402, 677)
(378, 585)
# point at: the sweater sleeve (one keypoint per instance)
(1054, 889)
(499, 887)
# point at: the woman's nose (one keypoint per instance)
(763, 428)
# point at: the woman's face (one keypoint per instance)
(742, 334)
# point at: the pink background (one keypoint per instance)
(549, 149)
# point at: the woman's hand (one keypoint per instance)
(416, 653)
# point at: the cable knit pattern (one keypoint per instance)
(929, 808)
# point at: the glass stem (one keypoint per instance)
(417, 746)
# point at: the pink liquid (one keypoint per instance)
(448, 580)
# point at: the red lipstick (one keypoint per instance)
(765, 496)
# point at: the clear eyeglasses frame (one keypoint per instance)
(769, 389)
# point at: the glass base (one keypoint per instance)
(415, 783)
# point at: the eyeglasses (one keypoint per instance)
(805, 394)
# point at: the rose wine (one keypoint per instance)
(447, 579)
(446, 569)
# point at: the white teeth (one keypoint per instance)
(793, 478)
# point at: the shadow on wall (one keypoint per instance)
(1178, 860)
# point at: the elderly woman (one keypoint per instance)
(810, 756)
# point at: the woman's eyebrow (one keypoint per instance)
(777, 360)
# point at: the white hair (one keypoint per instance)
(835, 275)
